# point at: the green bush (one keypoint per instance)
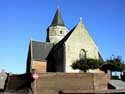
(115, 77)
(117, 62)
(86, 64)
(123, 77)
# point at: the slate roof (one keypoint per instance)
(57, 20)
(100, 58)
(40, 50)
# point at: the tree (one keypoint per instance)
(117, 62)
(85, 64)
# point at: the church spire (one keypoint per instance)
(57, 20)
(57, 30)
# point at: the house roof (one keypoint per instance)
(40, 50)
(57, 20)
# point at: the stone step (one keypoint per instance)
(118, 84)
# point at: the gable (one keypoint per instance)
(81, 37)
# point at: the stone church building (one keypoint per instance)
(62, 48)
(52, 61)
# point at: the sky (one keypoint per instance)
(22, 20)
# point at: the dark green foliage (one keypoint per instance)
(117, 62)
(123, 77)
(115, 77)
(86, 64)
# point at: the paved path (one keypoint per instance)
(118, 84)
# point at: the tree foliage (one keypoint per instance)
(117, 62)
(86, 64)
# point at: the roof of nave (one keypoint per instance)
(40, 50)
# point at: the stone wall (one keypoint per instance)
(53, 83)
(78, 40)
(56, 33)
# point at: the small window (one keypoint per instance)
(82, 54)
(61, 32)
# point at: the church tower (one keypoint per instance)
(57, 30)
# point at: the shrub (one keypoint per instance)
(86, 64)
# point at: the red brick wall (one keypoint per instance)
(39, 66)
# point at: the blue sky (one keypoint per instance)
(21, 20)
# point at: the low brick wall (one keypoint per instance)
(52, 83)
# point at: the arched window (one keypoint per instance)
(61, 32)
(82, 54)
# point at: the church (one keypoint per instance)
(52, 61)
(62, 48)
